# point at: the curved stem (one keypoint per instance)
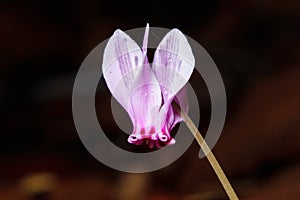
(209, 155)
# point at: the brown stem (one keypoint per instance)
(209, 155)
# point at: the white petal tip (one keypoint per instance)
(172, 142)
(145, 41)
(117, 32)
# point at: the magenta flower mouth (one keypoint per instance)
(144, 91)
(151, 139)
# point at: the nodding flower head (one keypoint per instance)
(144, 91)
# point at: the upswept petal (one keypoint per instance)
(173, 64)
(122, 62)
(145, 41)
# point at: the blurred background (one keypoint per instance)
(255, 45)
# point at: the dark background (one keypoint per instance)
(255, 45)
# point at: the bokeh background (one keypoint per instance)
(255, 45)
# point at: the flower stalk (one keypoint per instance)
(209, 154)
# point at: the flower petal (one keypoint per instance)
(145, 41)
(182, 100)
(122, 62)
(173, 63)
(146, 102)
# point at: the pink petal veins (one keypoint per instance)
(173, 63)
(122, 62)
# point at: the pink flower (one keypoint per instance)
(146, 92)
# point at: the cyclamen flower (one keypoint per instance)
(146, 92)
